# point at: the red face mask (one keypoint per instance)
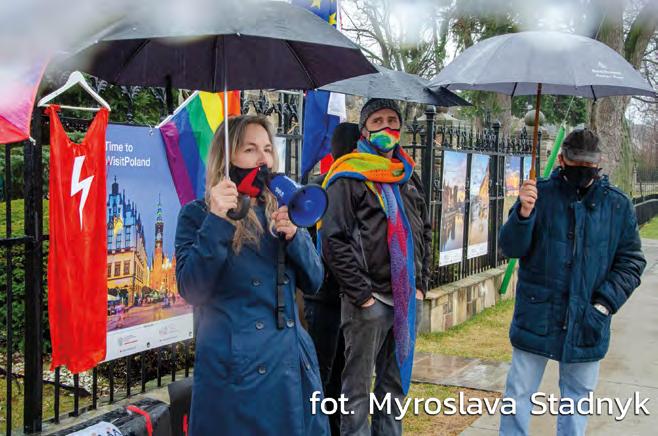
(250, 181)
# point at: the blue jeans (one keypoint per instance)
(577, 380)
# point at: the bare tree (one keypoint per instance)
(631, 41)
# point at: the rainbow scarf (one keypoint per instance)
(187, 135)
(383, 177)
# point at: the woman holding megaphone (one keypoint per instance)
(255, 367)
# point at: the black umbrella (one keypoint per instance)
(266, 45)
(529, 63)
(396, 85)
(229, 46)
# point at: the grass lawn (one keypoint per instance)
(650, 229)
(444, 425)
(483, 336)
(65, 403)
(17, 218)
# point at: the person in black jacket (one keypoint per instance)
(322, 310)
(375, 238)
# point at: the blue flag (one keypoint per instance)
(319, 125)
(319, 118)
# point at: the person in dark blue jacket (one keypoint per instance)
(252, 375)
(580, 255)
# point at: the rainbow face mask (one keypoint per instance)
(385, 140)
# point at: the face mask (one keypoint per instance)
(385, 140)
(250, 181)
(580, 177)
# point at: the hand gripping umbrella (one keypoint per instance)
(532, 63)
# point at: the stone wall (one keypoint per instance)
(454, 303)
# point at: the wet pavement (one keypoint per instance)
(484, 375)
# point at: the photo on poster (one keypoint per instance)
(453, 208)
(478, 226)
(144, 307)
(527, 161)
(512, 183)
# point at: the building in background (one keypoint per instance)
(127, 263)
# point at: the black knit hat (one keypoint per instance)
(344, 139)
(582, 145)
(375, 104)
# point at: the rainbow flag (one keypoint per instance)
(187, 134)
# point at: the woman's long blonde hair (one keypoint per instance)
(249, 229)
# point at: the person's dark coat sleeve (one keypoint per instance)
(308, 265)
(515, 237)
(627, 266)
(338, 244)
(202, 243)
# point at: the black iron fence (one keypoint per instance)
(429, 151)
(646, 208)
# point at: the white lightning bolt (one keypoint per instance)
(78, 185)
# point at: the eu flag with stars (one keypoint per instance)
(325, 9)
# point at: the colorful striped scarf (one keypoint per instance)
(383, 177)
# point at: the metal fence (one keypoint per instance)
(428, 151)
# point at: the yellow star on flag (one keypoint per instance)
(332, 19)
(316, 4)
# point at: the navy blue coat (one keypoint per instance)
(572, 253)
(250, 378)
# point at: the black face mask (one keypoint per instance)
(250, 181)
(580, 177)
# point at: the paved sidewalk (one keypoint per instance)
(630, 366)
(480, 374)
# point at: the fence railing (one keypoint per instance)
(429, 151)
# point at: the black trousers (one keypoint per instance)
(323, 320)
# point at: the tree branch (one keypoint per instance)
(642, 30)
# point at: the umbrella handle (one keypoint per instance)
(535, 134)
(242, 209)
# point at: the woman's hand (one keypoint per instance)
(282, 223)
(223, 197)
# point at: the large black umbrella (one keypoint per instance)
(266, 44)
(529, 63)
(230, 45)
(396, 85)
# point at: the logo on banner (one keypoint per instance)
(78, 185)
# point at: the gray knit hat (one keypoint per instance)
(582, 145)
(375, 104)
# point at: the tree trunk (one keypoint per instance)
(504, 105)
(608, 114)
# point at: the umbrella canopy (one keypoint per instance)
(396, 85)
(564, 63)
(255, 44)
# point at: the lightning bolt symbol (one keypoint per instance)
(78, 185)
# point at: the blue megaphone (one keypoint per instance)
(306, 204)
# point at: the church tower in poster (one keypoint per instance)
(163, 269)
